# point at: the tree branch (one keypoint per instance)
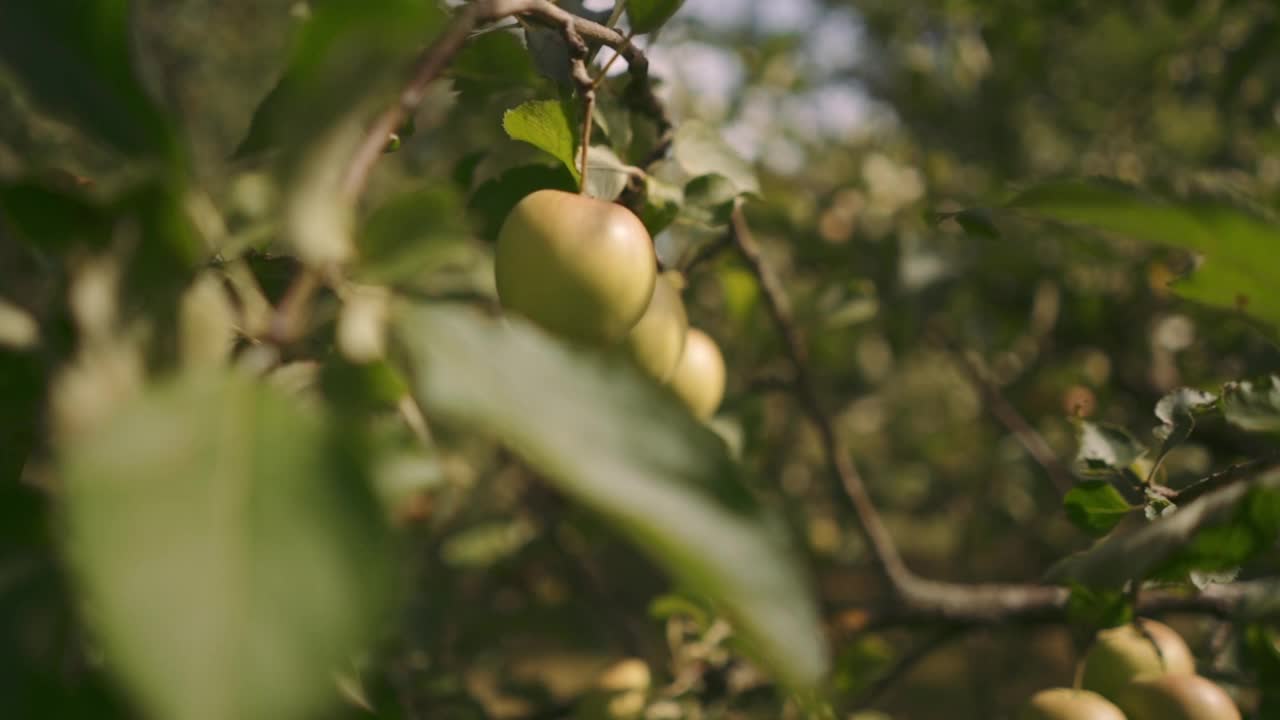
(1008, 415)
(920, 601)
(882, 547)
(433, 61)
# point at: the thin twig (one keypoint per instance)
(1221, 479)
(882, 547)
(287, 321)
(433, 61)
(905, 664)
(1008, 415)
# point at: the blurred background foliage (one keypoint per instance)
(868, 121)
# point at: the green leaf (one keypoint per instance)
(1104, 450)
(1239, 271)
(1253, 405)
(490, 63)
(411, 235)
(623, 446)
(342, 55)
(700, 150)
(662, 203)
(1091, 608)
(977, 222)
(1177, 411)
(548, 126)
(76, 60)
(229, 550)
(646, 16)
(708, 201)
(492, 201)
(1216, 531)
(607, 175)
(1095, 506)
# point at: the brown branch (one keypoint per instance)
(1008, 415)
(433, 61)
(903, 666)
(920, 601)
(1222, 479)
(882, 547)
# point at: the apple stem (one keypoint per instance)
(589, 100)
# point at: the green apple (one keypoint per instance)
(580, 267)
(1123, 653)
(699, 376)
(1176, 697)
(1069, 704)
(657, 340)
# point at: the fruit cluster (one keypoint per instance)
(585, 270)
(1139, 673)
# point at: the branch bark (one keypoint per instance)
(433, 61)
(920, 601)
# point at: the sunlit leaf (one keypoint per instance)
(616, 442)
(1177, 411)
(229, 549)
(548, 126)
(1104, 450)
(607, 175)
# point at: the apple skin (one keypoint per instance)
(699, 376)
(657, 340)
(1177, 697)
(581, 268)
(1121, 654)
(1069, 704)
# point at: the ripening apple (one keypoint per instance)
(657, 340)
(1176, 697)
(580, 267)
(699, 376)
(1069, 704)
(1123, 653)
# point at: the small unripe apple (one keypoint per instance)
(1123, 653)
(580, 267)
(657, 340)
(1176, 697)
(699, 376)
(1069, 704)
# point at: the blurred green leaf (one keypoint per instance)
(229, 549)
(1177, 411)
(617, 443)
(977, 222)
(1095, 506)
(700, 149)
(490, 63)
(76, 59)
(1092, 608)
(410, 235)
(1253, 405)
(53, 218)
(493, 200)
(1239, 271)
(548, 126)
(1104, 450)
(662, 203)
(708, 200)
(343, 54)
(646, 16)
(607, 175)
